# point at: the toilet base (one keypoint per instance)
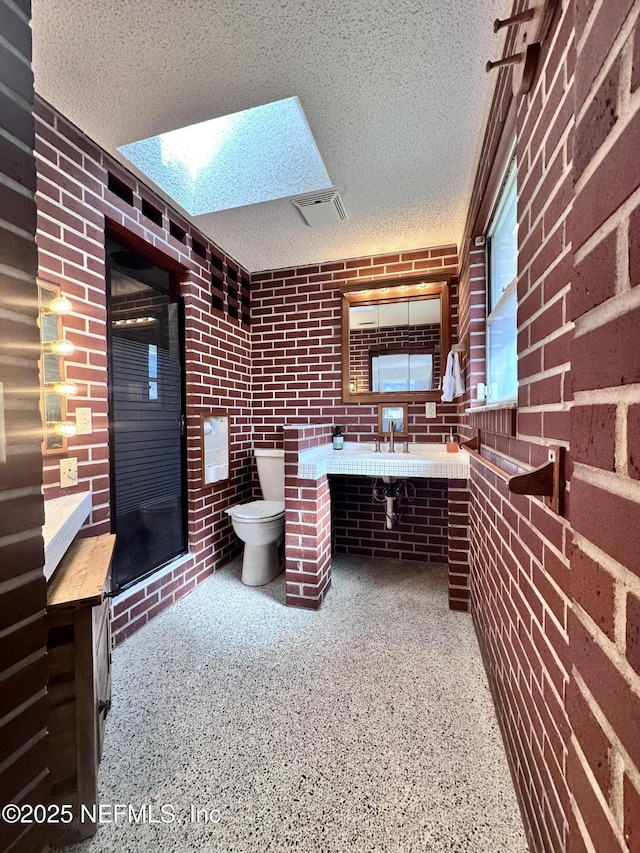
(260, 564)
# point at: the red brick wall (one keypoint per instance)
(359, 524)
(23, 631)
(307, 522)
(554, 599)
(604, 624)
(75, 205)
(296, 344)
(296, 338)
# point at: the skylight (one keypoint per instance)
(260, 154)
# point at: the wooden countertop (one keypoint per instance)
(79, 580)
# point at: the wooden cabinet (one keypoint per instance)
(79, 653)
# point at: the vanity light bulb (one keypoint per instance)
(62, 347)
(66, 429)
(384, 290)
(60, 305)
(404, 287)
(65, 389)
(422, 285)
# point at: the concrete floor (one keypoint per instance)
(366, 726)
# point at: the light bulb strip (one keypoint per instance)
(65, 388)
(65, 428)
(61, 347)
(60, 305)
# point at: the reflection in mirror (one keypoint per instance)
(397, 414)
(400, 371)
(393, 340)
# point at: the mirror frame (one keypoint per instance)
(362, 294)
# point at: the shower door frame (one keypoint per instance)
(178, 300)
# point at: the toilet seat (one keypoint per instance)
(257, 511)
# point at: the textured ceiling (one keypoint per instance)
(395, 93)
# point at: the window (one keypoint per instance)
(502, 298)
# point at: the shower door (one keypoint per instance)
(146, 420)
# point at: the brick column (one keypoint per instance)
(458, 534)
(307, 523)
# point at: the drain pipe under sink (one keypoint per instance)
(390, 501)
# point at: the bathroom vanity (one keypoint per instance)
(79, 652)
(422, 460)
(79, 659)
(310, 460)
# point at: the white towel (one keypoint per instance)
(457, 376)
(448, 382)
(452, 382)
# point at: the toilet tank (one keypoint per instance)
(270, 464)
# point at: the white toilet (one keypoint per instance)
(260, 524)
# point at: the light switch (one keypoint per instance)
(430, 410)
(68, 472)
(83, 421)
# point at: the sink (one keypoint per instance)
(385, 456)
(424, 460)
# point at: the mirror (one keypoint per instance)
(395, 339)
(396, 413)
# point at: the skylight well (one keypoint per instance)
(256, 155)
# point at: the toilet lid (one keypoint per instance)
(257, 510)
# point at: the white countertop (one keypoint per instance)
(63, 518)
(423, 460)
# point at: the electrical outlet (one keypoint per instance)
(68, 472)
(430, 410)
(83, 421)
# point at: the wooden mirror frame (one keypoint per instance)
(361, 294)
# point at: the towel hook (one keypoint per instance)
(532, 28)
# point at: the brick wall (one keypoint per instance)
(518, 548)
(604, 625)
(82, 193)
(297, 347)
(307, 522)
(554, 599)
(296, 341)
(23, 632)
(358, 523)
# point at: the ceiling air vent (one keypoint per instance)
(324, 208)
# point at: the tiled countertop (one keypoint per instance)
(423, 460)
(63, 518)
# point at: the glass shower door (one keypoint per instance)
(146, 415)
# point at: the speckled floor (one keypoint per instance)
(367, 726)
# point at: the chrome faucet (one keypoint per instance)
(392, 430)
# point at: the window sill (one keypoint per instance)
(492, 407)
